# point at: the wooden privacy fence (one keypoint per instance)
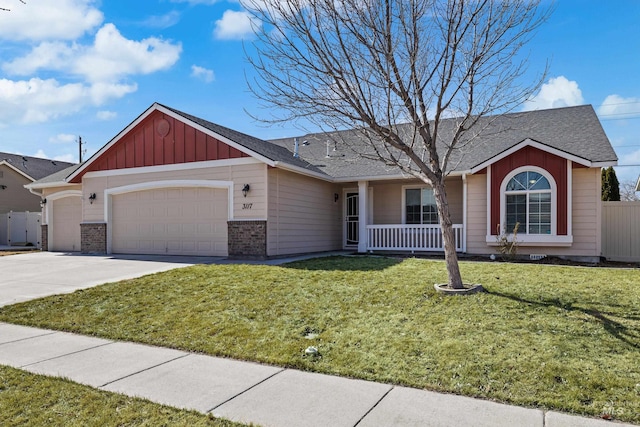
(20, 229)
(621, 231)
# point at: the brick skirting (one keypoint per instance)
(93, 238)
(247, 239)
(44, 244)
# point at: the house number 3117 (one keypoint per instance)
(246, 206)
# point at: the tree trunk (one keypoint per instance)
(448, 237)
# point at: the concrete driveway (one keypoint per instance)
(33, 275)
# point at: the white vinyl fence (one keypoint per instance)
(621, 231)
(20, 229)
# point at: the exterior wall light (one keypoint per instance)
(43, 203)
(246, 189)
(92, 197)
(336, 196)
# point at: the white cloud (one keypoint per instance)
(557, 92)
(202, 73)
(106, 115)
(37, 100)
(46, 20)
(113, 56)
(110, 58)
(63, 138)
(40, 154)
(619, 107)
(47, 55)
(234, 25)
(162, 21)
(70, 158)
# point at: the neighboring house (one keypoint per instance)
(20, 208)
(171, 183)
(16, 171)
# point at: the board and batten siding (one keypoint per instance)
(585, 220)
(302, 214)
(252, 174)
(621, 231)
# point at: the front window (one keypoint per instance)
(420, 206)
(528, 202)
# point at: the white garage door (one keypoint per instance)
(171, 221)
(67, 215)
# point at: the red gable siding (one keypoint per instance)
(530, 156)
(161, 140)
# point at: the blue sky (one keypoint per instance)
(89, 68)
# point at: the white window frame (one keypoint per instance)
(524, 238)
(404, 201)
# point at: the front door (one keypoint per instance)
(352, 219)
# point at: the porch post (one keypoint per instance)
(363, 203)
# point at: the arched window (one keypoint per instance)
(528, 200)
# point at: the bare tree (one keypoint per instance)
(628, 191)
(4, 8)
(369, 65)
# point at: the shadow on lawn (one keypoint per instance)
(345, 263)
(619, 331)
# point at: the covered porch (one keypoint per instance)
(400, 216)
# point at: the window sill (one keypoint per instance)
(535, 240)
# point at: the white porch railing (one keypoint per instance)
(405, 237)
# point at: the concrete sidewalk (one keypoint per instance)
(250, 392)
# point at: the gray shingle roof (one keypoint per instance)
(59, 176)
(273, 152)
(34, 167)
(572, 130)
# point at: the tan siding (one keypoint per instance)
(455, 196)
(252, 174)
(387, 203)
(303, 216)
(387, 200)
(52, 190)
(477, 215)
(15, 197)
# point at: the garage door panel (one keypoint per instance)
(67, 215)
(175, 221)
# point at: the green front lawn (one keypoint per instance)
(35, 400)
(563, 338)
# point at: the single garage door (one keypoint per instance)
(67, 215)
(170, 221)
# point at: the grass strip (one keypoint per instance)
(35, 400)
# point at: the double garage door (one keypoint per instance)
(170, 221)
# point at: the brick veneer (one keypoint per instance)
(93, 238)
(45, 237)
(247, 239)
